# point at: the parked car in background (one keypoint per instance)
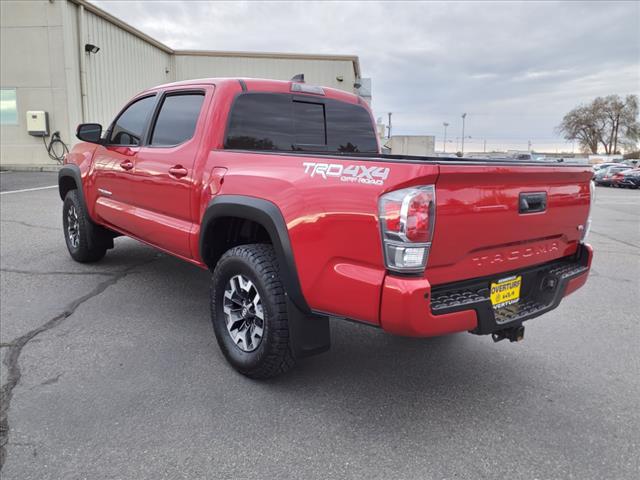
(532, 156)
(605, 175)
(616, 178)
(603, 166)
(627, 179)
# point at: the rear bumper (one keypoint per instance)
(410, 306)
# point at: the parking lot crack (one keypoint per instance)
(615, 239)
(53, 380)
(31, 272)
(31, 225)
(596, 274)
(14, 349)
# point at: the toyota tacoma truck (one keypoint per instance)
(279, 189)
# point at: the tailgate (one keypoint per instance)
(482, 228)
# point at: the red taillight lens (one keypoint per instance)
(391, 216)
(407, 218)
(418, 218)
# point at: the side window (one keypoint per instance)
(130, 125)
(177, 119)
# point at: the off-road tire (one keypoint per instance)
(90, 246)
(273, 355)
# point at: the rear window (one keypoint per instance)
(283, 122)
(309, 123)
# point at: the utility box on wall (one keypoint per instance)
(38, 123)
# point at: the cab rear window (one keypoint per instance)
(283, 122)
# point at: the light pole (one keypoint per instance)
(464, 115)
(444, 142)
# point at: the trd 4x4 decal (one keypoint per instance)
(347, 173)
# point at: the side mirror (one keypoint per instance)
(89, 132)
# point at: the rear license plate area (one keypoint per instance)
(506, 291)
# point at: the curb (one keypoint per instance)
(30, 168)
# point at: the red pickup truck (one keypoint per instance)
(279, 189)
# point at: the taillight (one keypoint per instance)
(592, 201)
(407, 218)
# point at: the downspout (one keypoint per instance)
(83, 64)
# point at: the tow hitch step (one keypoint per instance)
(514, 334)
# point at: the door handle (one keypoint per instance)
(532, 202)
(126, 164)
(178, 171)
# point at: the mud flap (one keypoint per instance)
(100, 236)
(309, 334)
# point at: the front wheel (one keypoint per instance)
(249, 311)
(80, 235)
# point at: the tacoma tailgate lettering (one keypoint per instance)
(516, 254)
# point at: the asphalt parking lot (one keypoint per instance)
(112, 371)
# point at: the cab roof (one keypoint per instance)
(260, 85)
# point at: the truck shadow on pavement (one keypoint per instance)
(363, 361)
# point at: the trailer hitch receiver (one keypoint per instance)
(514, 334)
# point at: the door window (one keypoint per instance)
(177, 119)
(130, 125)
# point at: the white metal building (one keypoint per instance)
(412, 144)
(49, 63)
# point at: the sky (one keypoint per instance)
(514, 68)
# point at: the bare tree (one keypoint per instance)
(610, 121)
(582, 124)
(622, 121)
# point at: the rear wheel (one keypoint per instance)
(84, 240)
(249, 312)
